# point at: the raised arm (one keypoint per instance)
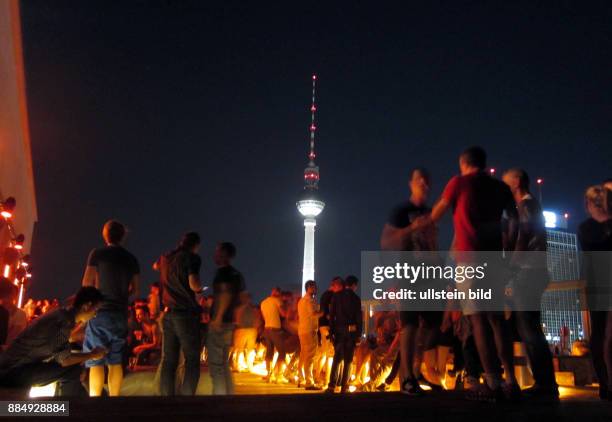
(90, 277)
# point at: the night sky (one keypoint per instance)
(193, 115)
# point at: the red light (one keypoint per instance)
(314, 77)
(539, 181)
(492, 171)
(18, 247)
(313, 108)
(566, 215)
(6, 214)
(313, 128)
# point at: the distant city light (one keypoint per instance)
(550, 219)
(8, 206)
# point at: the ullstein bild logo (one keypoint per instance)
(414, 273)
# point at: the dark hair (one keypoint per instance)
(350, 281)
(85, 295)
(337, 280)
(228, 248)
(115, 231)
(522, 176)
(309, 284)
(142, 308)
(155, 284)
(475, 157)
(190, 240)
(424, 173)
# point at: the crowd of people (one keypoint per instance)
(318, 344)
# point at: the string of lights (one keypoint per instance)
(16, 264)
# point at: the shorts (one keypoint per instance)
(107, 329)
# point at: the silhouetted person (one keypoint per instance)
(115, 272)
(180, 280)
(272, 311)
(227, 285)
(529, 284)
(308, 326)
(478, 202)
(17, 318)
(346, 324)
(327, 347)
(399, 235)
(595, 236)
(42, 354)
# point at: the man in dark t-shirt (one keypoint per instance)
(399, 235)
(227, 285)
(180, 282)
(115, 272)
(326, 350)
(177, 293)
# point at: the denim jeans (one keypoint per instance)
(181, 332)
(219, 343)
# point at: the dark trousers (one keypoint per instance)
(394, 370)
(274, 339)
(68, 378)
(471, 360)
(601, 347)
(344, 347)
(181, 332)
(530, 331)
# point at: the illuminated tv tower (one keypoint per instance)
(309, 204)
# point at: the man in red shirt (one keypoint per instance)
(478, 202)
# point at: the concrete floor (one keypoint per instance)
(257, 401)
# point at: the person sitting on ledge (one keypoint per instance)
(41, 354)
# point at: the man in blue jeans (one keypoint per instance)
(227, 285)
(180, 281)
(115, 272)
